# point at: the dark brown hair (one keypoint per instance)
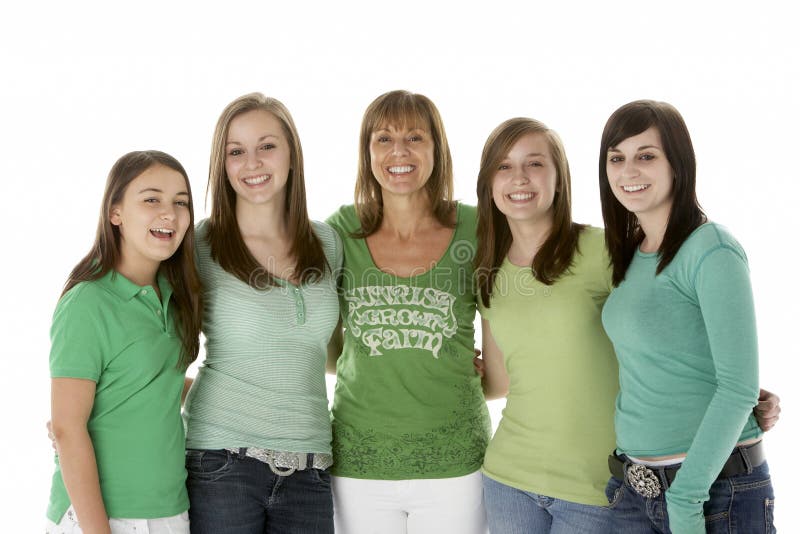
(227, 244)
(623, 233)
(494, 235)
(179, 269)
(403, 108)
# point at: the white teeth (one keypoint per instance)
(400, 169)
(255, 180)
(163, 231)
(634, 188)
(520, 196)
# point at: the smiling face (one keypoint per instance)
(401, 158)
(640, 176)
(257, 157)
(152, 219)
(524, 184)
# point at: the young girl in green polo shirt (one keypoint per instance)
(124, 331)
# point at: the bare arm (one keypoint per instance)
(335, 348)
(187, 383)
(71, 404)
(495, 377)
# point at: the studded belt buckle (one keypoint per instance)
(643, 481)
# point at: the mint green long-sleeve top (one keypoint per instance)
(688, 363)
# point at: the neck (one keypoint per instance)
(262, 220)
(407, 215)
(141, 273)
(527, 238)
(654, 226)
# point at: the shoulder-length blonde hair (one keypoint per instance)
(227, 245)
(494, 234)
(179, 269)
(403, 108)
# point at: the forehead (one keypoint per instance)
(530, 143)
(650, 138)
(256, 122)
(159, 177)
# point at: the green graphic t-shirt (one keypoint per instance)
(408, 403)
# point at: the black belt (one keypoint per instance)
(644, 480)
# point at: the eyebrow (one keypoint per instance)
(157, 190)
(530, 154)
(259, 139)
(643, 147)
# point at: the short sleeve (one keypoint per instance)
(76, 345)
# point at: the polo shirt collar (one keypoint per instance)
(126, 290)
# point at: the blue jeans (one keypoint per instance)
(739, 504)
(233, 494)
(513, 511)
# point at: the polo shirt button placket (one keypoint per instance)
(299, 306)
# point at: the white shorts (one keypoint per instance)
(177, 524)
(418, 506)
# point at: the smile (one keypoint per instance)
(521, 196)
(635, 188)
(401, 169)
(162, 233)
(256, 180)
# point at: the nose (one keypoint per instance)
(168, 212)
(520, 177)
(629, 169)
(399, 148)
(253, 161)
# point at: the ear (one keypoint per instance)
(115, 216)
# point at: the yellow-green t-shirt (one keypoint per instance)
(558, 424)
(121, 336)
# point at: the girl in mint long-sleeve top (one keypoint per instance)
(682, 323)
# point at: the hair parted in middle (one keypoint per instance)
(227, 245)
(403, 109)
(494, 234)
(623, 233)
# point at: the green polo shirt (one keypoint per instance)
(123, 338)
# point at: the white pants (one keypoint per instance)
(177, 524)
(420, 506)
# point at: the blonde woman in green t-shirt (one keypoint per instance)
(124, 331)
(410, 424)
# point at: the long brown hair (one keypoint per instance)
(227, 244)
(494, 235)
(403, 108)
(623, 233)
(179, 269)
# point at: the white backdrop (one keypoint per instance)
(83, 83)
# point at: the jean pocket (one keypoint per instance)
(320, 476)
(614, 490)
(208, 463)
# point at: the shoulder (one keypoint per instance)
(344, 220)
(467, 218)
(709, 238)
(82, 306)
(592, 246)
(331, 241)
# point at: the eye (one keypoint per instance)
(235, 152)
(503, 167)
(615, 159)
(415, 138)
(647, 157)
(383, 139)
(535, 164)
(268, 146)
(182, 203)
(151, 200)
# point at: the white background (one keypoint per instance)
(84, 83)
